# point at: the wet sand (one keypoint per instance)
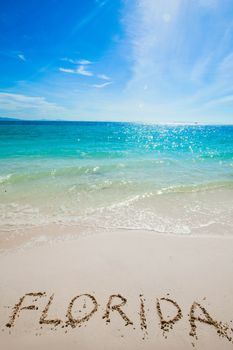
(118, 290)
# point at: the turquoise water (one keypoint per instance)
(120, 174)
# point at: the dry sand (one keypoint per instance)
(132, 281)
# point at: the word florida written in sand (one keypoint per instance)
(88, 306)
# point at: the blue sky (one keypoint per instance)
(125, 60)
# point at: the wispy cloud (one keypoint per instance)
(226, 66)
(18, 103)
(14, 54)
(200, 68)
(76, 61)
(66, 59)
(101, 2)
(153, 38)
(67, 70)
(99, 86)
(21, 57)
(217, 101)
(90, 16)
(80, 70)
(103, 77)
(185, 74)
(84, 62)
(83, 71)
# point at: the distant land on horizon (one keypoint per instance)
(5, 119)
(2, 119)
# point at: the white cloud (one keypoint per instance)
(82, 70)
(81, 61)
(99, 86)
(84, 62)
(68, 59)
(183, 73)
(221, 100)
(10, 102)
(200, 68)
(103, 76)
(150, 39)
(21, 57)
(226, 66)
(101, 2)
(66, 70)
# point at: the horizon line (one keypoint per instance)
(177, 123)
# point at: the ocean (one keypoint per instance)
(175, 179)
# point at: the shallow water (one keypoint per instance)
(166, 178)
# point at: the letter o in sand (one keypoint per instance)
(74, 322)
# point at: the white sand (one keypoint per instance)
(184, 269)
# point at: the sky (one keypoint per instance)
(117, 60)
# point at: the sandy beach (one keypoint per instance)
(118, 290)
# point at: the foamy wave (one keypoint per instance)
(5, 178)
(178, 211)
(118, 216)
(15, 215)
(195, 188)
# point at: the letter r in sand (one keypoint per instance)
(117, 308)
